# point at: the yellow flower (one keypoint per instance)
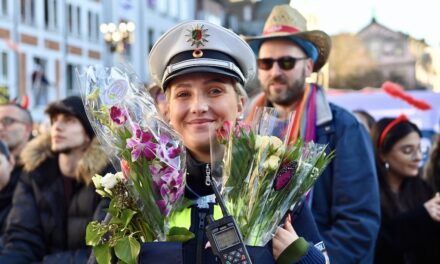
(97, 181)
(261, 141)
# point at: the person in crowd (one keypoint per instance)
(432, 167)
(203, 68)
(6, 165)
(15, 131)
(366, 119)
(160, 100)
(55, 199)
(410, 228)
(345, 199)
(15, 127)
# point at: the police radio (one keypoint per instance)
(225, 237)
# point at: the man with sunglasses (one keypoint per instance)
(345, 199)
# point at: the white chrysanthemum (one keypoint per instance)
(272, 162)
(261, 141)
(120, 176)
(276, 142)
(109, 181)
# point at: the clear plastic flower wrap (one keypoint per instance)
(139, 143)
(261, 175)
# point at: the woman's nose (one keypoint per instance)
(199, 104)
(417, 155)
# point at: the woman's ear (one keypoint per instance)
(382, 157)
(309, 67)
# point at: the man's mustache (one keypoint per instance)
(278, 79)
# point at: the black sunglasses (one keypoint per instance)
(285, 63)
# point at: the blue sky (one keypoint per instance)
(420, 18)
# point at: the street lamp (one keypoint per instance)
(118, 37)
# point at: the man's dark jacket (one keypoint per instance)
(44, 225)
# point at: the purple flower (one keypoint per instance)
(118, 115)
(284, 175)
(164, 207)
(141, 143)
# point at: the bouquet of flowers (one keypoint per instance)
(151, 160)
(262, 176)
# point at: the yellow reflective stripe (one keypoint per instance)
(217, 212)
(183, 218)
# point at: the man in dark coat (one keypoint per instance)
(15, 132)
(54, 199)
(345, 199)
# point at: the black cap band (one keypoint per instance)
(211, 62)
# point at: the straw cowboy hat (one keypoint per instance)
(199, 46)
(286, 22)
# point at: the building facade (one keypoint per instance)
(42, 43)
(401, 58)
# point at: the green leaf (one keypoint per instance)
(93, 234)
(179, 234)
(112, 208)
(127, 249)
(126, 216)
(102, 254)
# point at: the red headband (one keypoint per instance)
(399, 119)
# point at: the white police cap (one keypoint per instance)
(200, 46)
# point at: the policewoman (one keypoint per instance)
(202, 69)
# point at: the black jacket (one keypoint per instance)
(6, 199)
(409, 237)
(46, 223)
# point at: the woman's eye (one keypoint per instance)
(215, 91)
(408, 150)
(182, 94)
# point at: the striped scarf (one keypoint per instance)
(304, 121)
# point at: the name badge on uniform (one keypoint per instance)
(204, 201)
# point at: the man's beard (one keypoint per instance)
(293, 92)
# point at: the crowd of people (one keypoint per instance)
(374, 203)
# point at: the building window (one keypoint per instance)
(92, 26)
(74, 20)
(50, 14)
(150, 39)
(247, 13)
(70, 80)
(4, 66)
(97, 23)
(4, 8)
(78, 21)
(40, 83)
(27, 11)
(69, 19)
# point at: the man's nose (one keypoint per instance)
(276, 70)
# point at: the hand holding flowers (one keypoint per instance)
(151, 158)
(263, 177)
